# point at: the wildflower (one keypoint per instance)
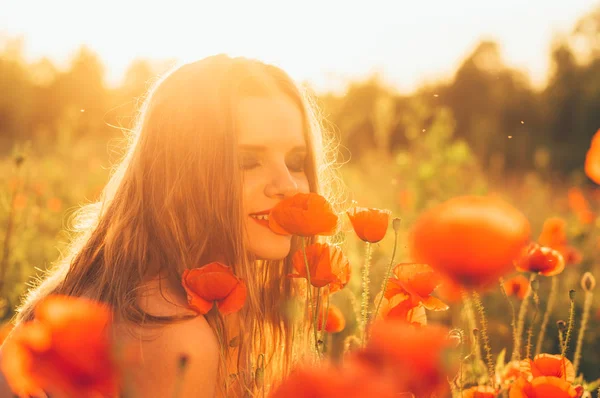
(553, 233)
(417, 286)
(369, 224)
(335, 321)
(580, 206)
(479, 392)
(5, 330)
(327, 266)
(541, 260)
(510, 373)
(543, 387)
(214, 283)
(353, 380)
(548, 365)
(554, 236)
(304, 214)
(419, 358)
(517, 286)
(67, 349)
(471, 239)
(592, 159)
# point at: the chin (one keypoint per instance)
(265, 244)
(270, 253)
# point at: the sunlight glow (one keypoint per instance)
(322, 41)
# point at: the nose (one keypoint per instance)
(282, 185)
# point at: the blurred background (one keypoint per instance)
(428, 99)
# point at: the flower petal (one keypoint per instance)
(234, 301)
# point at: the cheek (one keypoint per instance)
(251, 187)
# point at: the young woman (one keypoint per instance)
(218, 143)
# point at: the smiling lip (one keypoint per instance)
(261, 213)
(264, 223)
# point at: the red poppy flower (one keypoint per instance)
(450, 291)
(592, 159)
(510, 373)
(471, 239)
(544, 387)
(580, 206)
(406, 200)
(335, 321)
(480, 392)
(214, 283)
(369, 224)
(353, 380)
(517, 286)
(5, 330)
(571, 255)
(548, 365)
(401, 308)
(66, 350)
(304, 214)
(418, 283)
(418, 357)
(553, 233)
(327, 265)
(408, 294)
(541, 260)
(554, 236)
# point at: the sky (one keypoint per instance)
(325, 42)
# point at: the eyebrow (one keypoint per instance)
(260, 148)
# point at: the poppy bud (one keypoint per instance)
(571, 294)
(476, 333)
(562, 326)
(588, 282)
(396, 224)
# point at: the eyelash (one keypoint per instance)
(250, 164)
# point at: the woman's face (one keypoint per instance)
(272, 156)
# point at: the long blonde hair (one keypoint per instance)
(174, 202)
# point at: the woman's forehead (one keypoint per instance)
(273, 121)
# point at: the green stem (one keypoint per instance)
(536, 302)
(316, 320)
(513, 322)
(485, 337)
(365, 294)
(565, 346)
(387, 277)
(324, 320)
(561, 339)
(309, 283)
(472, 325)
(222, 348)
(546, 319)
(521, 320)
(587, 305)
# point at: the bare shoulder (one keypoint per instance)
(158, 349)
(157, 352)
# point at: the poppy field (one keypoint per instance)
(473, 292)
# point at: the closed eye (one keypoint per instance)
(249, 161)
(296, 162)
